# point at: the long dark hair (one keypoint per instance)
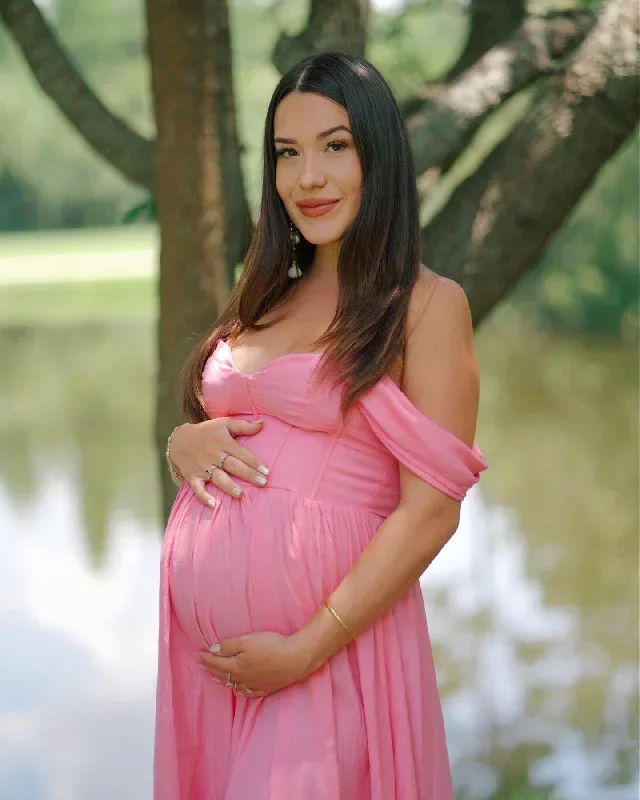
(379, 259)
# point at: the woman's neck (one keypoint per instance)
(324, 266)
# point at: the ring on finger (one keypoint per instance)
(221, 460)
(229, 682)
(209, 470)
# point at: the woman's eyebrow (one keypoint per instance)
(322, 135)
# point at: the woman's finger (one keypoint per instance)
(240, 687)
(223, 481)
(247, 457)
(198, 487)
(237, 426)
(216, 672)
(245, 692)
(237, 467)
(222, 675)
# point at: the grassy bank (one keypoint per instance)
(70, 277)
(72, 303)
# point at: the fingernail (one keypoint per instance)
(237, 491)
(260, 479)
(263, 469)
(215, 648)
(211, 502)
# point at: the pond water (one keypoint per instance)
(532, 606)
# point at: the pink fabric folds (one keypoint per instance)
(427, 449)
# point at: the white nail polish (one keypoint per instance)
(261, 468)
(237, 491)
(260, 479)
(215, 648)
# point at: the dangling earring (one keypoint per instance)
(294, 270)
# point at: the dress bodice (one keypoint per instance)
(311, 449)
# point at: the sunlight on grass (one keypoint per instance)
(68, 277)
(71, 303)
(48, 243)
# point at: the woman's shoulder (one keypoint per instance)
(432, 296)
(434, 293)
(441, 376)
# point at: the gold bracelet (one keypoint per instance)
(177, 476)
(332, 610)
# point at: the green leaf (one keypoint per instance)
(145, 210)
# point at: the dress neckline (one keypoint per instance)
(385, 379)
(273, 361)
(385, 386)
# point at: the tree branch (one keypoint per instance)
(111, 137)
(497, 223)
(332, 25)
(490, 22)
(443, 118)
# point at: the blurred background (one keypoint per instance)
(532, 606)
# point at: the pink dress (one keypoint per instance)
(368, 724)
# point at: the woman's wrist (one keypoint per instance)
(176, 475)
(318, 640)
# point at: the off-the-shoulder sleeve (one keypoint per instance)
(427, 449)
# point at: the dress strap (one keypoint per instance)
(427, 449)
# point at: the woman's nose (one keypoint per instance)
(311, 173)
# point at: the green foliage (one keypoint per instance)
(588, 280)
(49, 177)
(418, 44)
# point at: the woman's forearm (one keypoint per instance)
(402, 548)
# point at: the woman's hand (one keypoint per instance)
(259, 663)
(196, 447)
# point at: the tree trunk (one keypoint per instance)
(196, 160)
(490, 22)
(497, 223)
(332, 25)
(443, 117)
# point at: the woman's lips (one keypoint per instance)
(319, 209)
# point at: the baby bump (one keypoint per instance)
(264, 562)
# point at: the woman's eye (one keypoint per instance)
(338, 146)
(286, 152)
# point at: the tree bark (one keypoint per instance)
(196, 157)
(490, 22)
(443, 118)
(108, 135)
(332, 25)
(497, 223)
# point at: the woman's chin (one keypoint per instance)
(319, 235)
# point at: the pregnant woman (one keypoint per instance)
(330, 441)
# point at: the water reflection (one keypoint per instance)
(79, 401)
(532, 606)
(78, 652)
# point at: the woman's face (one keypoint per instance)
(318, 173)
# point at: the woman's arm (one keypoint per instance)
(441, 379)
